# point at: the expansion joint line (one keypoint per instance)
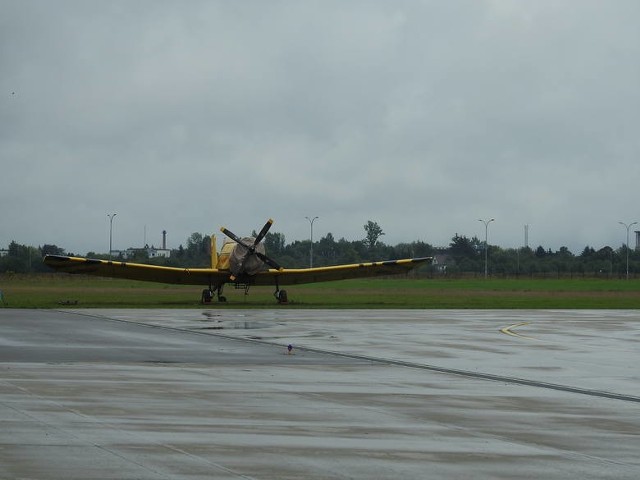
(401, 363)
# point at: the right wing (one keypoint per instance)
(137, 271)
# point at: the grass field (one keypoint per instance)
(60, 291)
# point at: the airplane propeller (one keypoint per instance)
(250, 249)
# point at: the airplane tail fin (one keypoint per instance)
(214, 252)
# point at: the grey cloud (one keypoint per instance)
(423, 116)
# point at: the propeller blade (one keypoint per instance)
(268, 261)
(263, 232)
(234, 237)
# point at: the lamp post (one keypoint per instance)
(110, 231)
(486, 244)
(311, 220)
(627, 244)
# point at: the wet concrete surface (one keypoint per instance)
(141, 394)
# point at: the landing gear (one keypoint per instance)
(207, 295)
(281, 296)
(221, 298)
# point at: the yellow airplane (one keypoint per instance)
(241, 261)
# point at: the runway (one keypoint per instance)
(142, 394)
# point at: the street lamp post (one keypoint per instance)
(486, 244)
(311, 220)
(627, 244)
(110, 232)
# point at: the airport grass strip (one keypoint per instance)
(56, 290)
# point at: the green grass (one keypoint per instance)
(62, 291)
(480, 293)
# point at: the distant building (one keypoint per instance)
(637, 240)
(150, 251)
(159, 252)
(440, 261)
(4, 252)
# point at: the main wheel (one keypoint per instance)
(282, 296)
(207, 295)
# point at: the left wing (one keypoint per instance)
(295, 276)
(137, 271)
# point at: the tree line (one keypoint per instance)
(463, 256)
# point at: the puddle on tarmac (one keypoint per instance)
(215, 323)
(235, 325)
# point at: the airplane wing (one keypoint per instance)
(137, 271)
(216, 277)
(295, 276)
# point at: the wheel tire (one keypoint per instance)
(282, 297)
(207, 295)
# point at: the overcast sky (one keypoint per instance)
(423, 116)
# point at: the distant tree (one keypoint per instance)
(294, 255)
(326, 250)
(198, 249)
(413, 249)
(540, 252)
(274, 243)
(587, 252)
(194, 241)
(564, 252)
(605, 253)
(373, 233)
(21, 259)
(349, 251)
(461, 247)
(466, 253)
(139, 255)
(15, 249)
(51, 250)
(102, 256)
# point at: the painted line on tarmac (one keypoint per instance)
(509, 331)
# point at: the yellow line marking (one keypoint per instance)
(507, 330)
